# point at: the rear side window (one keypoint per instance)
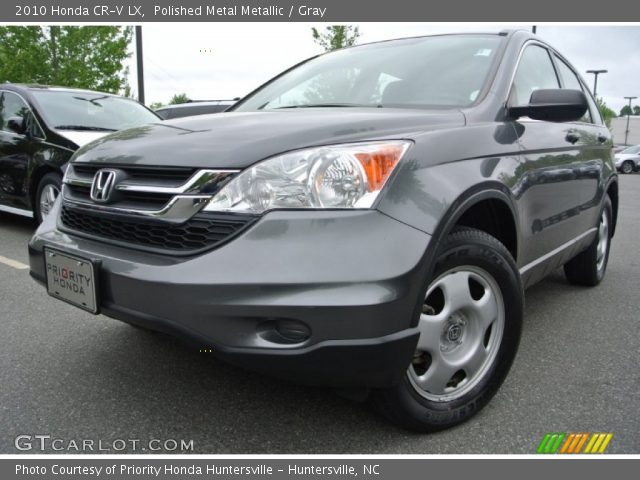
(570, 80)
(535, 72)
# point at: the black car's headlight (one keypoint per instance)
(336, 176)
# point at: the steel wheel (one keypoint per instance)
(627, 167)
(461, 330)
(48, 196)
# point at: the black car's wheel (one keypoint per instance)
(469, 332)
(628, 167)
(588, 268)
(46, 194)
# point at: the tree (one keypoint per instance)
(179, 98)
(626, 110)
(83, 57)
(636, 109)
(156, 105)
(336, 36)
(605, 111)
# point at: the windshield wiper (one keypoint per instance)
(320, 105)
(93, 100)
(85, 127)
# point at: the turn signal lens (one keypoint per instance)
(379, 164)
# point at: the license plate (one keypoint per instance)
(71, 279)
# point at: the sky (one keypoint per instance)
(225, 60)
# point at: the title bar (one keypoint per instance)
(118, 11)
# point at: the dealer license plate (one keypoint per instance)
(71, 279)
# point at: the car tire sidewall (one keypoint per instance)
(499, 264)
(50, 178)
(628, 167)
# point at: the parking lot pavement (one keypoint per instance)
(71, 375)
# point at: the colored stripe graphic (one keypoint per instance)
(573, 443)
(551, 442)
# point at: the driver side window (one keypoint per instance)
(535, 72)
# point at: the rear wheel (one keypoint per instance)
(628, 167)
(46, 195)
(469, 333)
(588, 268)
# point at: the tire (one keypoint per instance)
(588, 268)
(475, 345)
(628, 167)
(46, 193)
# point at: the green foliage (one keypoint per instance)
(626, 110)
(605, 111)
(156, 105)
(336, 36)
(83, 57)
(636, 109)
(179, 98)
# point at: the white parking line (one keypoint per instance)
(13, 263)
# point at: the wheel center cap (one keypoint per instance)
(453, 332)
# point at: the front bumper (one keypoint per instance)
(348, 282)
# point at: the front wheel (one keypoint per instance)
(46, 195)
(628, 167)
(469, 333)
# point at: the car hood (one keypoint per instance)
(237, 140)
(80, 138)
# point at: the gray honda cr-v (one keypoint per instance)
(367, 219)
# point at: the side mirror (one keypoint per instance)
(17, 125)
(553, 105)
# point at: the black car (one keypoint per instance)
(41, 127)
(366, 220)
(194, 107)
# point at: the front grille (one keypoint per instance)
(200, 232)
(171, 176)
(161, 177)
(146, 189)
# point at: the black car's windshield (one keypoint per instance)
(418, 72)
(68, 110)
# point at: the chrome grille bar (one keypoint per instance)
(151, 199)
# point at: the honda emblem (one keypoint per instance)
(103, 183)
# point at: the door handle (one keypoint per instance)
(572, 137)
(602, 138)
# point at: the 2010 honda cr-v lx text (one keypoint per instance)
(367, 219)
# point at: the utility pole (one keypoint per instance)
(595, 80)
(139, 65)
(626, 133)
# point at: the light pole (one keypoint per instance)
(595, 80)
(139, 64)
(626, 133)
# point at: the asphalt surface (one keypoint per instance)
(71, 375)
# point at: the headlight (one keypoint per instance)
(337, 176)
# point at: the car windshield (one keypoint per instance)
(440, 71)
(68, 110)
(631, 150)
